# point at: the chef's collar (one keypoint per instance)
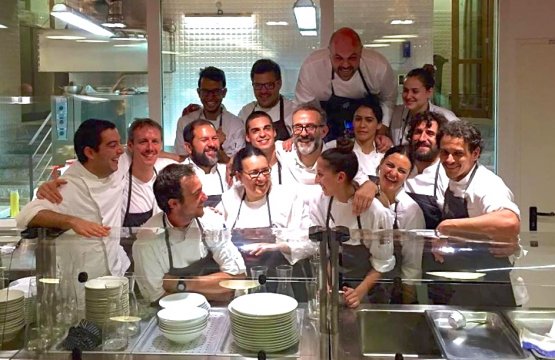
(169, 225)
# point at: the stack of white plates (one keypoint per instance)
(12, 313)
(179, 300)
(264, 321)
(101, 293)
(29, 287)
(184, 324)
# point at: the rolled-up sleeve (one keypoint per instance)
(224, 252)
(30, 210)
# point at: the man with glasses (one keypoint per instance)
(339, 75)
(299, 165)
(266, 85)
(211, 91)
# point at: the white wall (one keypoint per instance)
(517, 20)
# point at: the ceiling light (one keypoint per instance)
(389, 40)
(277, 23)
(3, 26)
(407, 36)
(305, 15)
(402, 22)
(65, 37)
(92, 41)
(375, 45)
(75, 18)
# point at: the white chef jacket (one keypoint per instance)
(213, 183)
(424, 183)
(409, 216)
(150, 252)
(375, 218)
(290, 217)
(232, 126)
(486, 193)
(367, 163)
(400, 121)
(90, 198)
(288, 107)
(142, 194)
(294, 172)
(314, 81)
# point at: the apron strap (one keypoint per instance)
(128, 193)
(220, 177)
(279, 172)
(241, 204)
(465, 188)
(167, 239)
(330, 216)
(435, 180)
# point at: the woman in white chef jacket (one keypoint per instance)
(418, 89)
(335, 170)
(367, 120)
(255, 203)
(394, 169)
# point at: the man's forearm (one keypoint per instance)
(51, 219)
(503, 225)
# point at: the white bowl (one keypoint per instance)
(184, 299)
(182, 338)
(168, 328)
(183, 314)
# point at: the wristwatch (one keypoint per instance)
(181, 286)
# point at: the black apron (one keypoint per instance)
(428, 204)
(340, 110)
(214, 200)
(137, 219)
(494, 290)
(203, 266)
(279, 126)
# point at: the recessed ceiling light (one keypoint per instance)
(3, 26)
(92, 41)
(66, 37)
(407, 36)
(308, 32)
(402, 22)
(389, 40)
(375, 45)
(277, 23)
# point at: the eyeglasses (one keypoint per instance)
(309, 128)
(253, 175)
(214, 92)
(267, 86)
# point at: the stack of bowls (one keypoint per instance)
(179, 300)
(184, 324)
(106, 297)
(12, 313)
(264, 321)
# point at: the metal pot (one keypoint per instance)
(72, 89)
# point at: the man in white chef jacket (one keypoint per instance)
(92, 198)
(184, 248)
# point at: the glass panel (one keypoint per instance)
(471, 25)
(471, 87)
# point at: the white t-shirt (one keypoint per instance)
(232, 126)
(400, 121)
(150, 252)
(288, 107)
(314, 81)
(424, 183)
(375, 218)
(367, 163)
(214, 182)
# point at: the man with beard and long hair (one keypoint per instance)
(299, 165)
(202, 142)
(427, 182)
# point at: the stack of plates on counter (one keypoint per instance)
(183, 324)
(101, 293)
(264, 321)
(29, 287)
(12, 313)
(179, 300)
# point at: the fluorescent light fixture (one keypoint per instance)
(406, 36)
(92, 41)
(3, 26)
(114, 25)
(305, 15)
(129, 45)
(75, 18)
(65, 37)
(402, 22)
(389, 40)
(277, 23)
(375, 45)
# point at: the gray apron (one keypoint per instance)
(281, 129)
(214, 200)
(494, 290)
(136, 219)
(203, 266)
(340, 110)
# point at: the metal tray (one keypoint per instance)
(495, 339)
(537, 321)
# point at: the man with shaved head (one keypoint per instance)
(340, 75)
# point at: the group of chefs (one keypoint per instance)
(341, 154)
